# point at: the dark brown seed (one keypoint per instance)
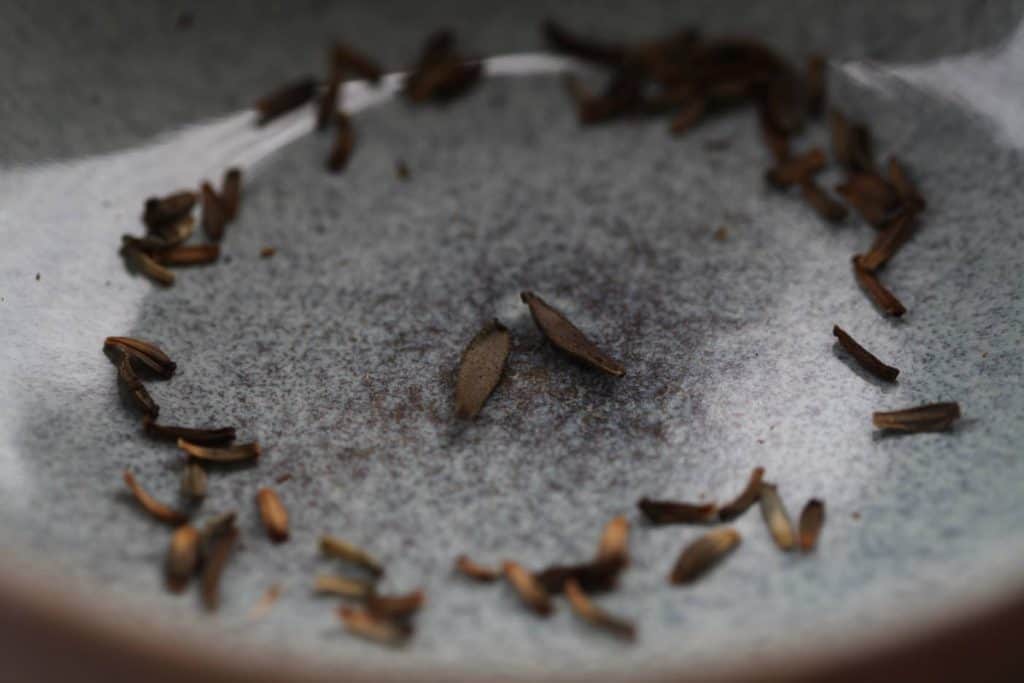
(343, 586)
(155, 508)
(871, 285)
(596, 576)
(863, 357)
(445, 80)
(190, 255)
(193, 480)
(267, 252)
(477, 572)
(402, 170)
(851, 144)
(872, 197)
(816, 84)
(231, 192)
(348, 59)
(908, 192)
(137, 357)
(896, 230)
(812, 519)
(530, 591)
(588, 50)
(818, 199)
(159, 211)
(747, 497)
(214, 214)
(343, 550)
(170, 234)
(673, 512)
(213, 566)
(361, 623)
(933, 417)
(796, 169)
(237, 453)
(594, 615)
(134, 386)
(283, 100)
(704, 553)
(614, 543)
(776, 517)
(182, 557)
(480, 368)
(395, 607)
(140, 261)
(344, 141)
(273, 514)
(205, 437)
(138, 349)
(567, 337)
(328, 103)
(689, 116)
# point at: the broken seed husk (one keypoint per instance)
(875, 290)
(747, 497)
(812, 519)
(478, 572)
(156, 509)
(776, 517)
(865, 358)
(343, 550)
(231, 192)
(703, 554)
(614, 543)
(673, 512)
(933, 417)
(273, 514)
(213, 566)
(214, 215)
(361, 623)
(529, 589)
(204, 437)
(596, 616)
(236, 453)
(395, 607)
(182, 557)
(343, 586)
(480, 368)
(567, 337)
(193, 480)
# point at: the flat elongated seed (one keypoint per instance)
(776, 517)
(273, 514)
(189, 255)
(478, 572)
(614, 543)
(747, 497)
(596, 576)
(343, 586)
(704, 553)
(812, 519)
(214, 215)
(529, 589)
(213, 566)
(182, 557)
(231, 192)
(343, 550)
(386, 632)
(900, 179)
(873, 287)
(594, 615)
(284, 99)
(395, 606)
(156, 509)
(131, 381)
(146, 361)
(480, 368)
(673, 512)
(145, 264)
(865, 358)
(347, 58)
(236, 453)
(932, 417)
(796, 169)
(818, 199)
(343, 143)
(205, 437)
(161, 210)
(147, 348)
(567, 337)
(193, 480)
(896, 230)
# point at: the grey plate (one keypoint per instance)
(338, 353)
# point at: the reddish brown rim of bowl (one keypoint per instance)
(52, 635)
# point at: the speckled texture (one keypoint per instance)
(338, 353)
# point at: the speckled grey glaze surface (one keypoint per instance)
(338, 353)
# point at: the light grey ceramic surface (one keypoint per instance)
(338, 353)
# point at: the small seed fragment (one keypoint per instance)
(159, 211)
(134, 386)
(776, 517)
(273, 514)
(594, 615)
(567, 337)
(182, 557)
(267, 252)
(361, 623)
(481, 368)
(865, 358)
(812, 519)
(673, 512)
(478, 572)
(529, 589)
(156, 509)
(193, 480)
(932, 417)
(343, 586)
(747, 497)
(703, 554)
(343, 550)
(265, 603)
(614, 543)
(236, 453)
